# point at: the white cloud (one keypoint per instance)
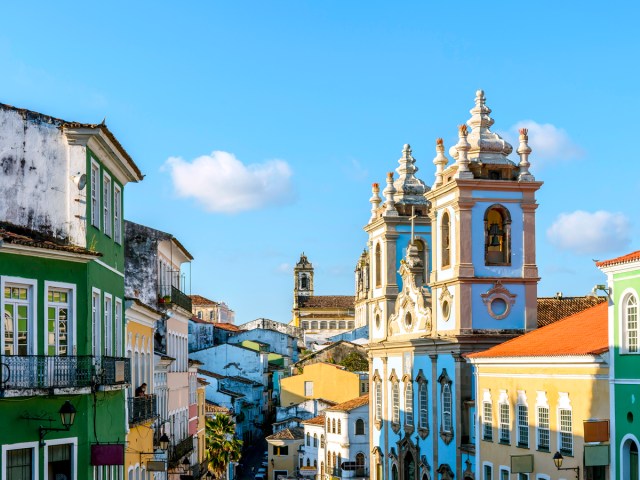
(284, 268)
(547, 141)
(588, 233)
(222, 183)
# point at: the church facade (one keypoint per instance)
(449, 269)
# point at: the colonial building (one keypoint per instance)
(284, 452)
(211, 311)
(321, 315)
(623, 278)
(451, 270)
(63, 371)
(321, 380)
(545, 392)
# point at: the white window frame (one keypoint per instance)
(484, 466)
(504, 427)
(520, 426)
(72, 314)
(96, 322)
(625, 348)
(446, 401)
(107, 195)
(96, 192)
(423, 421)
(73, 441)
(378, 399)
(408, 404)
(395, 402)
(504, 469)
(487, 421)
(117, 213)
(108, 324)
(308, 388)
(119, 321)
(18, 446)
(33, 303)
(564, 405)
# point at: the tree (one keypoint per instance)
(222, 446)
(355, 362)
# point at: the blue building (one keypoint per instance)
(449, 270)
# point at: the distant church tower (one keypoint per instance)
(466, 282)
(302, 279)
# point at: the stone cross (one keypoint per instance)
(412, 218)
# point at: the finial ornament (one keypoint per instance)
(462, 147)
(409, 188)
(375, 201)
(440, 162)
(524, 150)
(389, 193)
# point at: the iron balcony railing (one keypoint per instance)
(200, 470)
(26, 372)
(142, 409)
(351, 472)
(179, 450)
(168, 294)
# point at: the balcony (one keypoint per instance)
(168, 294)
(49, 372)
(142, 409)
(179, 450)
(200, 470)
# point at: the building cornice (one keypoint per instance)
(45, 253)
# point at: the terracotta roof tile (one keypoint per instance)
(13, 234)
(199, 300)
(552, 309)
(227, 326)
(581, 334)
(629, 257)
(350, 404)
(327, 301)
(319, 420)
(295, 433)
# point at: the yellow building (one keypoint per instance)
(283, 452)
(545, 394)
(142, 408)
(200, 435)
(320, 380)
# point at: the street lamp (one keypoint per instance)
(164, 442)
(67, 416)
(558, 458)
(186, 464)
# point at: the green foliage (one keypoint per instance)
(221, 444)
(355, 362)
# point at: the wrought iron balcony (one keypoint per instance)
(115, 371)
(200, 470)
(142, 409)
(168, 294)
(27, 372)
(179, 450)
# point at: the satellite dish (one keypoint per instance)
(80, 180)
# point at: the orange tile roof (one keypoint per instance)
(629, 257)
(350, 404)
(581, 334)
(200, 300)
(552, 309)
(295, 433)
(227, 326)
(319, 420)
(327, 301)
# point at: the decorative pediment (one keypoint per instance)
(499, 301)
(424, 464)
(445, 471)
(392, 455)
(420, 378)
(393, 378)
(377, 452)
(444, 377)
(376, 376)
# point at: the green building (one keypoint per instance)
(63, 374)
(623, 274)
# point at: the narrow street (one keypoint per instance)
(251, 460)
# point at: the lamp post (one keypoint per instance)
(67, 416)
(558, 458)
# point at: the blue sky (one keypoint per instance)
(260, 126)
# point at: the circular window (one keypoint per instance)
(446, 309)
(408, 320)
(498, 307)
(630, 417)
(378, 320)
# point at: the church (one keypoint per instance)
(449, 269)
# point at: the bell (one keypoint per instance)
(495, 241)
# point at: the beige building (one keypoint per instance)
(320, 380)
(545, 392)
(211, 311)
(283, 452)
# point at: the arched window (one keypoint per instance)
(321, 469)
(497, 238)
(339, 427)
(423, 399)
(631, 324)
(315, 463)
(308, 462)
(424, 256)
(408, 404)
(378, 389)
(322, 441)
(333, 426)
(308, 439)
(342, 325)
(339, 462)
(359, 427)
(314, 325)
(445, 240)
(323, 325)
(305, 325)
(332, 325)
(394, 473)
(360, 460)
(378, 266)
(395, 398)
(315, 439)
(446, 408)
(304, 282)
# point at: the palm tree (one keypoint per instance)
(221, 444)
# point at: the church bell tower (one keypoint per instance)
(302, 279)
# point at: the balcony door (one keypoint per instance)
(17, 325)
(58, 322)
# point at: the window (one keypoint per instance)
(59, 460)
(339, 427)
(281, 450)
(58, 321)
(19, 464)
(446, 408)
(378, 391)
(378, 266)
(106, 200)
(359, 427)
(566, 432)
(108, 326)
(117, 214)
(504, 474)
(322, 441)
(487, 419)
(308, 439)
(424, 408)
(95, 195)
(333, 426)
(523, 476)
(119, 325)
(497, 238)
(18, 319)
(408, 404)
(395, 394)
(505, 424)
(308, 389)
(522, 417)
(488, 472)
(315, 440)
(631, 324)
(95, 323)
(445, 240)
(543, 428)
